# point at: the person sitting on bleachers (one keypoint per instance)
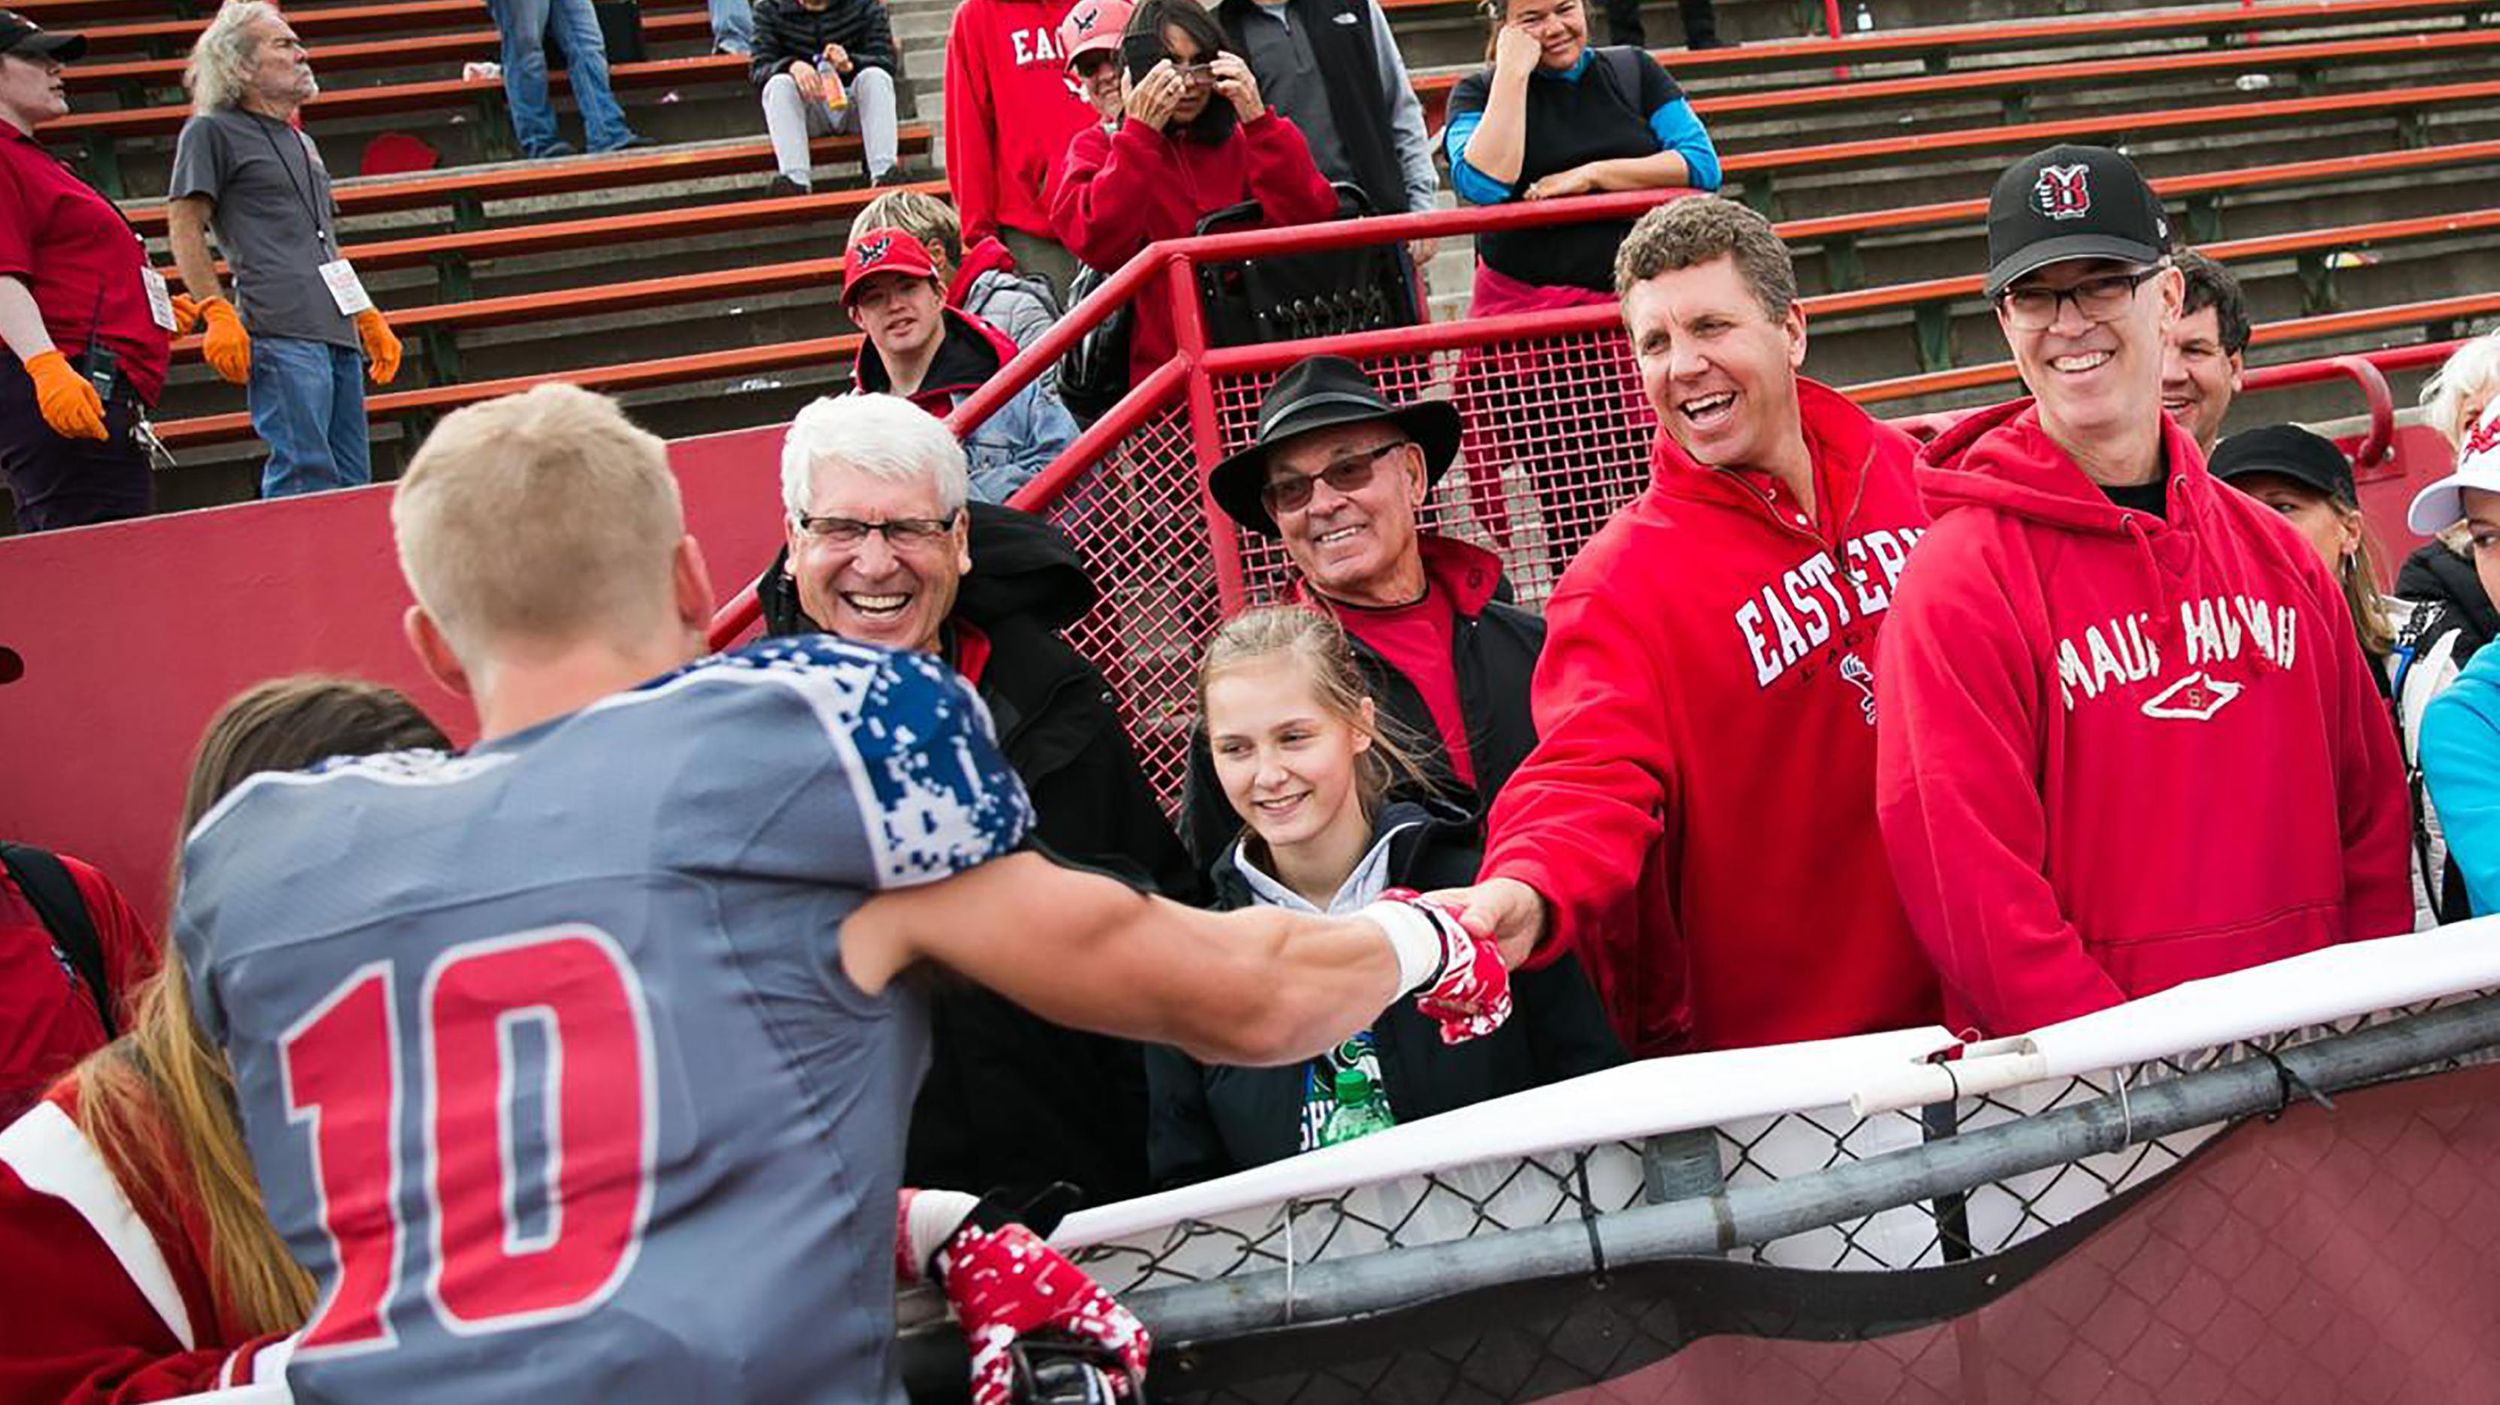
(2441, 571)
(1199, 138)
(189, 1288)
(885, 547)
(526, 25)
(982, 281)
(826, 68)
(934, 354)
(2200, 369)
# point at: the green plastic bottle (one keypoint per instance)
(1359, 1111)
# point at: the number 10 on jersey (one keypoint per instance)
(350, 1072)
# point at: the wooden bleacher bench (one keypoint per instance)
(2440, 315)
(632, 375)
(2018, 82)
(110, 28)
(407, 51)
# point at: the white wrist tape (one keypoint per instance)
(932, 1219)
(1415, 940)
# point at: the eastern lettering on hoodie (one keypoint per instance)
(2212, 629)
(1036, 46)
(1785, 620)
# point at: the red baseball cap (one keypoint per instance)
(884, 251)
(1092, 27)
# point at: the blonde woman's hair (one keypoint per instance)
(546, 516)
(2469, 371)
(158, 1103)
(1314, 640)
(2357, 571)
(917, 213)
(220, 70)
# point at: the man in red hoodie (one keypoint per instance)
(2127, 738)
(1698, 818)
(1010, 111)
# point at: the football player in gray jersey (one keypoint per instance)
(575, 1067)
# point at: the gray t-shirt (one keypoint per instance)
(274, 218)
(545, 1054)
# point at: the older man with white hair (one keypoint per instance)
(887, 547)
(307, 332)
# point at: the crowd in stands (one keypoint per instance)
(1828, 732)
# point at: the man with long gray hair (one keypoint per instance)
(307, 332)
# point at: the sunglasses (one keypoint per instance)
(1348, 475)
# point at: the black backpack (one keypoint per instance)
(53, 894)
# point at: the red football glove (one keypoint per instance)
(1006, 1283)
(1470, 997)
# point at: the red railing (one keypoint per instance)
(1557, 436)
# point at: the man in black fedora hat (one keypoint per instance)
(1336, 474)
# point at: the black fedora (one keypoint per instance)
(1321, 391)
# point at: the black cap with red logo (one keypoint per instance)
(2071, 202)
(22, 36)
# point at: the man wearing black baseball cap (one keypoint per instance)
(2124, 735)
(84, 319)
(1337, 473)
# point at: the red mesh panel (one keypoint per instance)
(1557, 437)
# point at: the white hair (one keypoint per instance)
(220, 71)
(2470, 371)
(884, 436)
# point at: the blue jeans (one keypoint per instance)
(733, 27)
(308, 405)
(524, 25)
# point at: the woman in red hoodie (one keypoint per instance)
(129, 1185)
(1198, 139)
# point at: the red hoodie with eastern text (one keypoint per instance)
(1699, 811)
(1010, 111)
(2121, 751)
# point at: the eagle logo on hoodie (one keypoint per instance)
(1854, 670)
(2064, 192)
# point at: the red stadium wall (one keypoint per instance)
(124, 640)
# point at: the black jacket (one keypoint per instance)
(2436, 574)
(1493, 650)
(1209, 1121)
(1012, 1100)
(786, 32)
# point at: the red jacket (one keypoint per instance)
(1700, 807)
(47, 1021)
(110, 1295)
(1117, 194)
(1009, 113)
(2120, 752)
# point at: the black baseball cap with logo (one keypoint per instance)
(2071, 202)
(23, 37)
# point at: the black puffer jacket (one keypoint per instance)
(2436, 574)
(1012, 1100)
(1209, 1121)
(1493, 650)
(786, 31)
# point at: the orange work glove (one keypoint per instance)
(228, 349)
(186, 314)
(381, 345)
(69, 404)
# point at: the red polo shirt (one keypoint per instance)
(80, 258)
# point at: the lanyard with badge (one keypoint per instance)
(347, 292)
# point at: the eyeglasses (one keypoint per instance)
(1192, 73)
(2103, 299)
(1350, 474)
(900, 533)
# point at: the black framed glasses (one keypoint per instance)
(2102, 299)
(900, 533)
(1350, 474)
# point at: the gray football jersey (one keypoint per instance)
(545, 1055)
